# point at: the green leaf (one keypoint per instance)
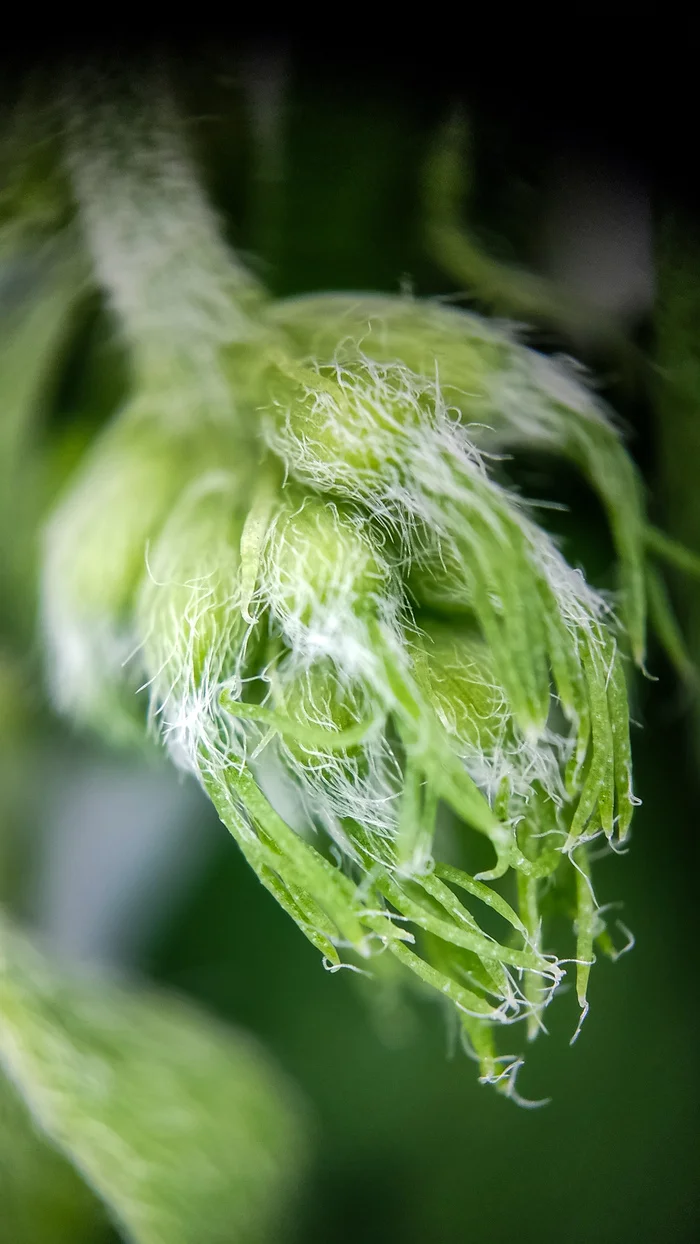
(186, 1130)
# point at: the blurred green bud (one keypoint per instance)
(96, 546)
(183, 1129)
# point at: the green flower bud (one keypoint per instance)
(546, 629)
(275, 619)
(509, 396)
(95, 553)
(324, 574)
(455, 670)
(188, 608)
(464, 349)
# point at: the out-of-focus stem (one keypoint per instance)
(179, 293)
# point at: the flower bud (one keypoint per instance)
(509, 396)
(95, 553)
(454, 668)
(324, 574)
(274, 608)
(188, 608)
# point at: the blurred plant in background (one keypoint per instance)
(314, 546)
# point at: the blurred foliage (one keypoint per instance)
(184, 1129)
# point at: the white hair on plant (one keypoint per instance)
(195, 645)
(284, 609)
(381, 433)
(359, 783)
(368, 430)
(122, 493)
(456, 670)
(327, 576)
(323, 573)
(178, 295)
(509, 395)
(189, 616)
(355, 787)
(334, 594)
